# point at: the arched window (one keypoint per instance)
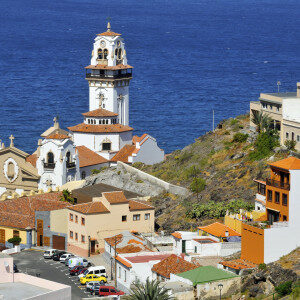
(68, 157)
(120, 53)
(50, 158)
(10, 170)
(116, 52)
(106, 121)
(105, 53)
(83, 175)
(100, 54)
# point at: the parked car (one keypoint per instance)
(49, 253)
(92, 285)
(56, 256)
(16, 270)
(78, 261)
(64, 257)
(92, 277)
(66, 262)
(108, 291)
(97, 270)
(82, 271)
(75, 270)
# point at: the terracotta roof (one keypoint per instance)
(124, 153)
(136, 138)
(88, 157)
(123, 262)
(32, 159)
(100, 128)
(218, 229)
(238, 264)
(105, 67)
(172, 264)
(100, 112)
(115, 197)
(114, 239)
(177, 235)
(260, 181)
(261, 201)
(109, 33)
(96, 207)
(290, 163)
(130, 249)
(20, 212)
(139, 205)
(57, 136)
(146, 258)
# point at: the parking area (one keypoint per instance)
(33, 263)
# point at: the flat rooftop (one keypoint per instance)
(20, 290)
(146, 258)
(283, 95)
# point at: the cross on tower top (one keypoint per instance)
(56, 124)
(108, 24)
(11, 140)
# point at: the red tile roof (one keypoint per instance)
(95, 207)
(114, 239)
(115, 197)
(105, 67)
(100, 112)
(100, 128)
(290, 163)
(123, 262)
(260, 181)
(146, 258)
(20, 212)
(88, 157)
(238, 264)
(136, 138)
(124, 153)
(57, 136)
(32, 159)
(172, 264)
(139, 205)
(177, 235)
(218, 230)
(109, 33)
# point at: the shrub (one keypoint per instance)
(95, 171)
(240, 137)
(197, 185)
(262, 266)
(284, 288)
(191, 172)
(15, 240)
(234, 122)
(290, 144)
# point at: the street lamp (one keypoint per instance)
(111, 268)
(220, 286)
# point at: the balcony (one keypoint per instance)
(49, 166)
(104, 76)
(278, 184)
(70, 165)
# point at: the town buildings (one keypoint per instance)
(284, 110)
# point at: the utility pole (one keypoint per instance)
(213, 122)
(278, 85)
(115, 248)
(89, 246)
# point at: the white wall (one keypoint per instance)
(280, 241)
(291, 109)
(88, 169)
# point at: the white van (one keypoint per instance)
(65, 256)
(78, 261)
(98, 270)
(49, 253)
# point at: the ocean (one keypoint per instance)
(190, 57)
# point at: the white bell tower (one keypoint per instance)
(109, 75)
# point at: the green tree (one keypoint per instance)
(197, 185)
(262, 121)
(67, 197)
(284, 288)
(15, 240)
(290, 144)
(151, 290)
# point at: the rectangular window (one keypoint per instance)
(76, 236)
(270, 195)
(82, 238)
(136, 217)
(125, 275)
(119, 272)
(124, 218)
(293, 136)
(76, 219)
(82, 221)
(71, 234)
(284, 218)
(71, 217)
(147, 216)
(284, 199)
(277, 108)
(298, 138)
(277, 197)
(16, 233)
(287, 135)
(261, 189)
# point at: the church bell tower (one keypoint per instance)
(109, 75)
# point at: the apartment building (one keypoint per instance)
(284, 110)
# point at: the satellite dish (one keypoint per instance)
(6, 265)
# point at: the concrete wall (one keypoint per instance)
(88, 169)
(59, 221)
(6, 272)
(144, 176)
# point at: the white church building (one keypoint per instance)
(102, 139)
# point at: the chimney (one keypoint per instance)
(298, 89)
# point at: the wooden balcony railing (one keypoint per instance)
(49, 165)
(70, 165)
(104, 76)
(278, 184)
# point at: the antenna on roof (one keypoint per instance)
(278, 85)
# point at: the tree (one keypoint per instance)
(66, 197)
(151, 290)
(15, 240)
(262, 121)
(290, 144)
(197, 185)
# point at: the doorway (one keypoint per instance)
(93, 246)
(40, 240)
(273, 216)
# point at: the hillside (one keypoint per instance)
(221, 160)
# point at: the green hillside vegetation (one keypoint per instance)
(218, 168)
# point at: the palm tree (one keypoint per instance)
(151, 290)
(67, 197)
(262, 121)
